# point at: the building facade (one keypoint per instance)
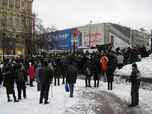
(15, 26)
(98, 35)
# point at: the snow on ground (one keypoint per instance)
(144, 66)
(122, 90)
(60, 103)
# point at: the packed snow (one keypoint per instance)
(61, 103)
(144, 66)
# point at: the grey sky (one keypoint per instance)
(71, 13)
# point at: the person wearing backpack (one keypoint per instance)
(104, 65)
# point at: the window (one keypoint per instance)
(17, 4)
(5, 3)
(11, 3)
(0, 3)
(23, 4)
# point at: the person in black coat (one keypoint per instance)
(1, 76)
(57, 71)
(9, 80)
(112, 64)
(135, 83)
(46, 77)
(95, 68)
(71, 77)
(88, 73)
(21, 79)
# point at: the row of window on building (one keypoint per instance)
(17, 23)
(15, 4)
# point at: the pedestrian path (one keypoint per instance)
(85, 101)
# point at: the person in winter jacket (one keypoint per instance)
(1, 76)
(46, 78)
(120, 60)
(21, 79)
(57, 71)
(9, 80)
(88, 73)
(95, 59)
(135, 84)
(112, 64)
(71, 77)
(37, 76)
(104, 65)
(31, 72)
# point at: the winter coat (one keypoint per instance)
(88, 68)
(135, 79)
(1, 77)
(112, 64)
(57, 68)
(104, 63)
(72, 74)
(95, 60)
(31, 72)
(120, 59)
(21, 75)
(37, 74)
(8, 78)
(46, 75)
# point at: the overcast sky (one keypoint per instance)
(71, 13)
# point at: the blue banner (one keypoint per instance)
(63, 39)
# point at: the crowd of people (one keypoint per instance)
(67, 66)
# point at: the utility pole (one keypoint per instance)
(151, 40)
(130, 39)
(90, 23)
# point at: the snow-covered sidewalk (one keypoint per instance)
(61, 103)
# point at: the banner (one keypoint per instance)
(64, 39)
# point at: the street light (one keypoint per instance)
(90, 23)
(130, 39)
(151, 39)
(75, 33)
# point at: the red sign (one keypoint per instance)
(76, 33)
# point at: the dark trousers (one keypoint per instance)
(134, 96)
(0, 79)
(38, 86)
(96, 83)
(71, 88)
(56, 79)
(44, 92)
(21, 87)
(109, 85)
(8, 97)
(63, 76)
(88, 81)
(31, 82)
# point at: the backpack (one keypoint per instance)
(104, 63)
(88, 72)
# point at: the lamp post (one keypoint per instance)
(130, 39)
(90, 23)
(3, 48)
(76, 33)
(151, 40)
